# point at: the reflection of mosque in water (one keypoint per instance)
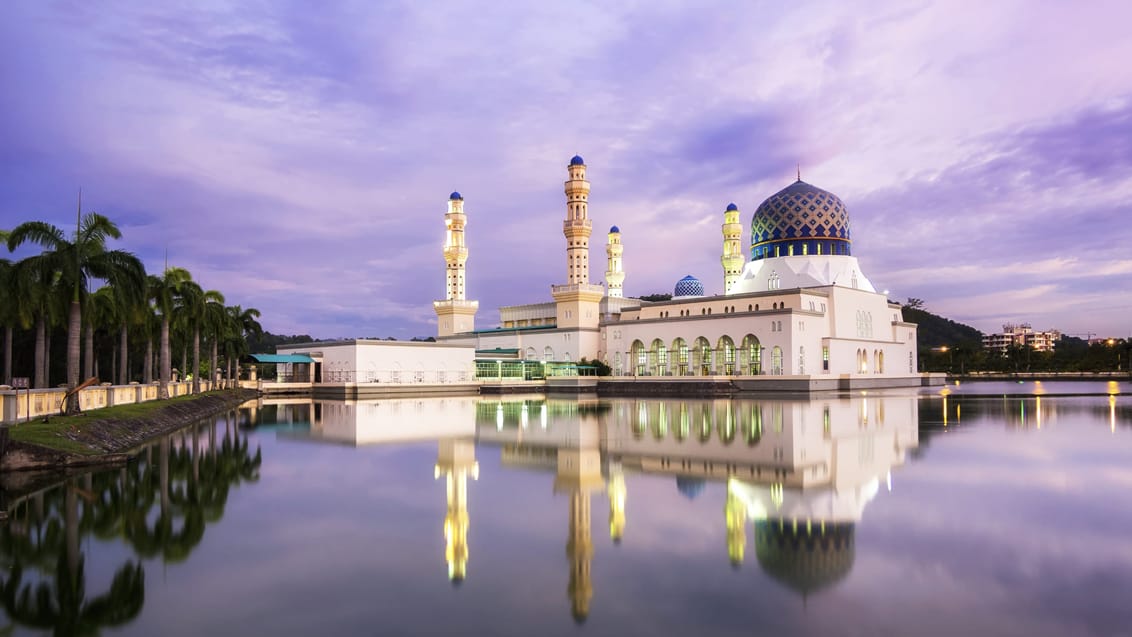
(798, 473)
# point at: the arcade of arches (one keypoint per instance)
(698, 358)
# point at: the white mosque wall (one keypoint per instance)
(802, 272)
(545, 345)
(855, 325)
(394, 362)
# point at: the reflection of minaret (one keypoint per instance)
(732, 258)
(614, 275)
(455, 314)
(456, 460)
(579, 474)
(736, 513)
(616, 503)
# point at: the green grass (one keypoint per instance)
(51, 434)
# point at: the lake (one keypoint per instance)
(975, 509)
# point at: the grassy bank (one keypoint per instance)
(94, 432)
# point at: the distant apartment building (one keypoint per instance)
(1022, 335)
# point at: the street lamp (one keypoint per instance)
(941, 349)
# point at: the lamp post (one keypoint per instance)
(941, 349)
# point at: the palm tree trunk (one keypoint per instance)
(196, 359)
(184, 361)
(147, 364)
(166, 367)
(123, 356)
(231, 380)
(40, 352)
(212, 368)
(88, 352)
(47, 354)
(74, 344)
(8, 355)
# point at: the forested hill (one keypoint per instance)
(934, 330)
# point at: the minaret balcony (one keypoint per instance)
(577, 224)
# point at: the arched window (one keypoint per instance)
(801, 359)
(701, 357)
(617, 364)
(658, 355)
(639, 356)
(750, 356)
(726, 349)
(680, 352)
(531, 354)
(776, 361)
(548, 354)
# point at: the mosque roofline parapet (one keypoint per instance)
(708, 317)
(821, 290)
(362, 341)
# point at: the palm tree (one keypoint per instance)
(34, 282)
(242, 324)
(102, 311)
(192, 305)
(9, 312)
(164, 291)
(78, 261)
(215, 317)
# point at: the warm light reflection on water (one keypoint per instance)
(883, 513)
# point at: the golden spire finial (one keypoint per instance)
(799, 172)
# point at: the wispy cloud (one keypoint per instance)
(299, 160)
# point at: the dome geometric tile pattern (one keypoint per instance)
(800, 211)
(688, 286)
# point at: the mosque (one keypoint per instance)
(798, 308)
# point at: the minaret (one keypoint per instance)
(614, 277)
(456, 460)
(577, 226)
(732, 249)
(455, 314)
(578, 301)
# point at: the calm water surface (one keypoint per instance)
(999, 509)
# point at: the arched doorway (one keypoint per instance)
(658, 358)
(701, 357)
(726, 349)
(680, 354)
(639, 358)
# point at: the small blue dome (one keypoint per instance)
(731, 207)
(577, 160)
(615, 229)
(688, 286)
(454, 196)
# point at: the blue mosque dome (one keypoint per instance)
(798, 220)
(732, 206)
(688, 286)
(577, 160)
(455, 196)
(615, 229)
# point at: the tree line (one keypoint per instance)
(117, 321)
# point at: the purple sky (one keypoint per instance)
(298, 156)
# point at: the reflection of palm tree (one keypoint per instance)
(61, 603)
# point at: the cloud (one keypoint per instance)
(296, 158)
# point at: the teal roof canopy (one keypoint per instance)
(283, 358)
